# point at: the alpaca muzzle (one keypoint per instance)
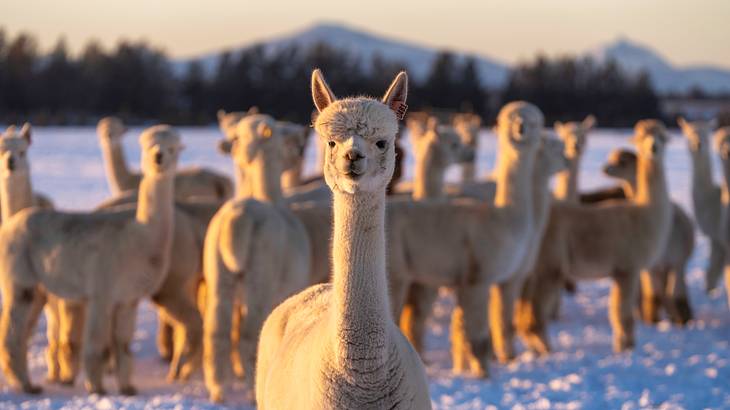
(11, 164)
(158, 158)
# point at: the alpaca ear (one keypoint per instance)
(589, 122)
(683, 124)
(264, 130)
(252, 110)
(224, 146)
(321, 92)
(396, 96)
(26, 132)
(221, 114)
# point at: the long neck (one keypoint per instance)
(651, 184)
(243, 189)
(292, 177)
(513, 175)
(566, 184)
(702, 170)
(16, 194)
(428, 179)
(361, 305)
(542, 197)
(118, 175)
(155, 206)
(264, 181)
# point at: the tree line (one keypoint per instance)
(139, 82)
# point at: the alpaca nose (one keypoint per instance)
(158, 158)
(11, 163)
(521, 128)
(353, 155)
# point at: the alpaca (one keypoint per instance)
(189, 182)
(722, 142)
(342, 335)
(550, 160)
(468, 126)
(125, 254)
(256, 254)
(295, 142)
(574, 136)
(227, 121)
(664, 283)
(589, 242)
(470, 245)
(706, 195)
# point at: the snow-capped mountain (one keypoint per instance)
(665, 77)
(417, 58)
(631, 56)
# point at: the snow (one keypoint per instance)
(670, 368)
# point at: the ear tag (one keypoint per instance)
(400, 108)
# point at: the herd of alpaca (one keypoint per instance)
(330, 281)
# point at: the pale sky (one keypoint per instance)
(686, 32)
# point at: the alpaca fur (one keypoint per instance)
(663, 285)
(574, 136)
(470, 245)
(256, 254)
(706, 195)
(722, 143)
(468, 127)
(341, 337)
(589, 242)
(189, 182)
(125, 254)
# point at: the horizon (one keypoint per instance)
(696, 45)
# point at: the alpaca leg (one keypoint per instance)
(472, 330)
(237, 321)
(125, 317)
(16, 315)
(181, 311)
(165, 330)
(677, 297)
(259, 303)
(501, 314)
(71, 336)
(621, 309)
(416, 312)
(96, 341)
(727, 283)
(217, 332)
(651, 290)
(398, 296)
(53, 323)
(717, 263)
(534, 311)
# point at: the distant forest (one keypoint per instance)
(136, 81)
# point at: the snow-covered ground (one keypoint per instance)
(670, 368)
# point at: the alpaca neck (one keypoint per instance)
(651, 184)
(118, 174)
(292, 177)
(468, 172)
(264, 181)
(566, 184)
(629, 187)
(513, 177)
(16, 194)
(361, 306)
(428, 179)
(243, 189)
(155, 206)
(702, 170)
(542, 197)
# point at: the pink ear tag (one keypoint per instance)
(400, 108)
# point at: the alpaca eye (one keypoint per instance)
(381, 144)
(331, 144)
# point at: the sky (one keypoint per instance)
(686, 32)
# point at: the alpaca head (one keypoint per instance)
(574, 134)
(650, 139)
(161, 147)
(550, 156)
(294, 139)
(256, 143)
(359, 135)
(468, 126)
(442, 144)
(227, 122)
(697, 132)
(13, 151)
(722, 143)
(110, 129)
(621, 164)
(519, 126)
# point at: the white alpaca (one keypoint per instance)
(706, 195)
(339, 341)
(189, 182)
(109, 260)
(256, 254)
(663, 285)
(470, 245)
(589, 242)
(468, 127)
(574, 136)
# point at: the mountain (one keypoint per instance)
(665, 77)
(417, 58)
(632, 56)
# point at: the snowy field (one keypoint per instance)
(670, 368)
